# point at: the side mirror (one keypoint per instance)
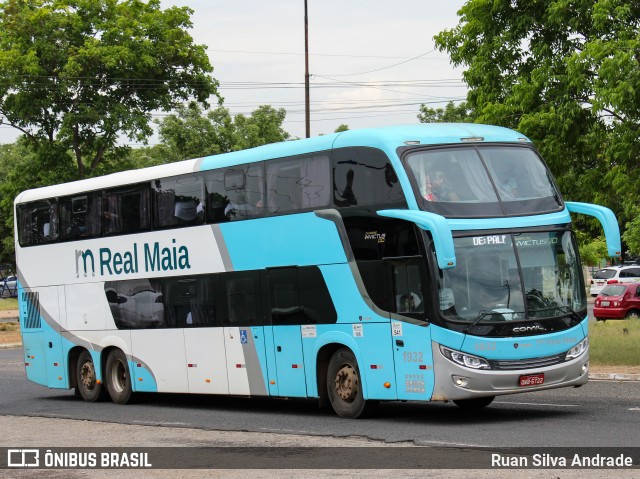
(439, 228)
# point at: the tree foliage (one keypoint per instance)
(452, 113)
(192, 133)
(565, 73)
(75, 75)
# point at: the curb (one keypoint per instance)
(11, 346)
(614, 377)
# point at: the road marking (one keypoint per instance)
(634, 409)
(537, 404)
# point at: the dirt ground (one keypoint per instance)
(9, 314)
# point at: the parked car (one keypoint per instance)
(613, 275)
(9, 287)
(618, 301)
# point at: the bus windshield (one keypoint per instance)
(513, 277)
(479, 181)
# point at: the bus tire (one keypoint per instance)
(344, 386)
(87, 385)
(118, 377)
(475, 403)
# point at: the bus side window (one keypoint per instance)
(364, 177)
(190, 302)
(136, 303)
(285, 298)
(301, 183)
(408, 287)
(179, 201)
(126, 210)
(235, 193)
(80, 216)
(38, 222)
(243, 298)
(315, 297)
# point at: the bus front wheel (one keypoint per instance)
(118, 377)
(344, 386)
(87, 384)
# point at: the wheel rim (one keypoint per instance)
(88, 375)
(119, 376)
(347, 383)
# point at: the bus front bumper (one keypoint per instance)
(453, 382)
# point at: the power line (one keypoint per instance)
(322, 54)
(384, 68)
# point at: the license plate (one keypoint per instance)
(532, 379)
(604, 303)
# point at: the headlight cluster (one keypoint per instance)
(578, 349)
(464, 359)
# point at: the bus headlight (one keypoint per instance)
(578, 349)
(464, 359)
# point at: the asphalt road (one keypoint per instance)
(602, 413)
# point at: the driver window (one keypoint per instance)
(408, 285)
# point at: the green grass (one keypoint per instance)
(8, 303)
(9, 327)
(615, 343)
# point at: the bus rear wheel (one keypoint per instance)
(475, 403)
(87, 384)
(118, 377)
(344, 386)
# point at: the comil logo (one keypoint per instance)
(84, 261)
(23, 458)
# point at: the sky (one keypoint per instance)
(372, 62)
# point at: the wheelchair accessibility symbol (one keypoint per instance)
(243, 336)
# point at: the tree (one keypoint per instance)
(190, 133)
(592, 251)
(78, 74)
(22, 170)
(452, 113)
(563, 72)
(263, 126)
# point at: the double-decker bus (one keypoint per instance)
(425, 262)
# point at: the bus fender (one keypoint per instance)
(343, 339)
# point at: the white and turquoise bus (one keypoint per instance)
(426, 262)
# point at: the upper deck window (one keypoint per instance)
(482, 181)
(364, 177)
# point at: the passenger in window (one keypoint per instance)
(439, 188)
(409, 302)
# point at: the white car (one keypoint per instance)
(9, 287)
(613, 275)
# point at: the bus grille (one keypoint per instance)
(31, 319)
(532, 363)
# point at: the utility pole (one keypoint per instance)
(307, 115)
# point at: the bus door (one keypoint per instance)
(190, 304)
(411, 336)
(244, 335)
(287, 316)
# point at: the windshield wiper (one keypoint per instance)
(480, 317)
(571, 312)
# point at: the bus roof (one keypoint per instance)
(386, 139)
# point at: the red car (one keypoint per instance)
(618, 301)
